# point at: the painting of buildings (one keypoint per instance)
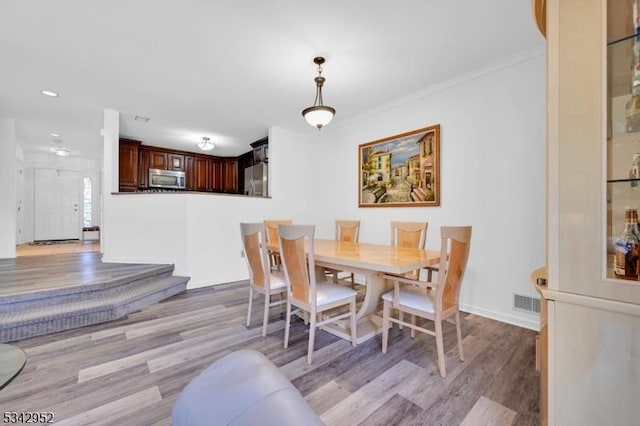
(401, 170)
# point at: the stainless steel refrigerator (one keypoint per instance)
(256, 180)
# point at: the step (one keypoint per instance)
(70, 290)
(16, 325)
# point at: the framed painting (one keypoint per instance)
(401, 170)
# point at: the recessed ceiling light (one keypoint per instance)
(143, 119)
(62, 152)
(49, 93)
(55, 135)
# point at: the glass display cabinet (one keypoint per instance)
(623, 142)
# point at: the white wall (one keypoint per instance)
(492, 177)
(7, 188)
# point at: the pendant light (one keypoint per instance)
(318, 115)
(206, 144)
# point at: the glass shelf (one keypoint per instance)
(623, 180)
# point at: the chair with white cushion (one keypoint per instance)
(303, 291)
(261, 279)
(437, 300)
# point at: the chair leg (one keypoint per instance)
(413, 322)
(250, 303)
(334, 275)
(353, 281)
(265, 319)
(354, 334)
(287, 322)
(401, 318)
(386, 311)
(440, 347)
(459, 332)
(312, 337)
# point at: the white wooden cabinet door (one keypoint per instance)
(56, 204)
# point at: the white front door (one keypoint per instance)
(56, 204)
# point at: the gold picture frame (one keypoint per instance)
(401, 170)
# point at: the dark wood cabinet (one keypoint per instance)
(216, 175)
(143, 168)
(205, 173)
(166, 160)
(157, 160)
(175, 162)
(128, 165)
(230, 176)
(189, 181)
(202, 174)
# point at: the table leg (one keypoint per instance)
(369, 321)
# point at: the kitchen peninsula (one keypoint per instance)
(145, 168)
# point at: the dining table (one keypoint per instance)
(371, 261)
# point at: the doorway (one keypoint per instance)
(56, 200)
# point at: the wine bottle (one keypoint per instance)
(627, 246)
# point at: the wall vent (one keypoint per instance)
(526, 303)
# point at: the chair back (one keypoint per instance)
(299, 272)
(409, 234)
(272, 227)
(456, 241)
(347, 230)
(255, 250)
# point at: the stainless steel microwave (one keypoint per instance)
(166, 179)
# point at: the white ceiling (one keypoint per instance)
(231, 69)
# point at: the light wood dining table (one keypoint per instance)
(372, 261)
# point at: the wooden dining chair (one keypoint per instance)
(346, 230)
(261, 279)
(409, 234)
(272, 235)
(302, 289)
(436, 301)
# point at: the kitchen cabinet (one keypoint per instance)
(230, 176)
(143, 168)
(166, 160)
(175, 162)
(189, 172)
(128, 165)
(216, 175)
(157, 160)
(202, 174)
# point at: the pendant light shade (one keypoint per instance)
(318, 115)
(206, 144)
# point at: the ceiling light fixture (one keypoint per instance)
(62, 152)
(49, 93)
(140, 118)
(318, 115)
(206, 144)
(55, 135)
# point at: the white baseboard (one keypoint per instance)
(531, 324)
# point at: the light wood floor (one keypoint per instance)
(130, 372)
(74, 247)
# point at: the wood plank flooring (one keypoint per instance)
(62, 271)
(69, 247)
(130, 371)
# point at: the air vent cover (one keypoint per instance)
(526, 303)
